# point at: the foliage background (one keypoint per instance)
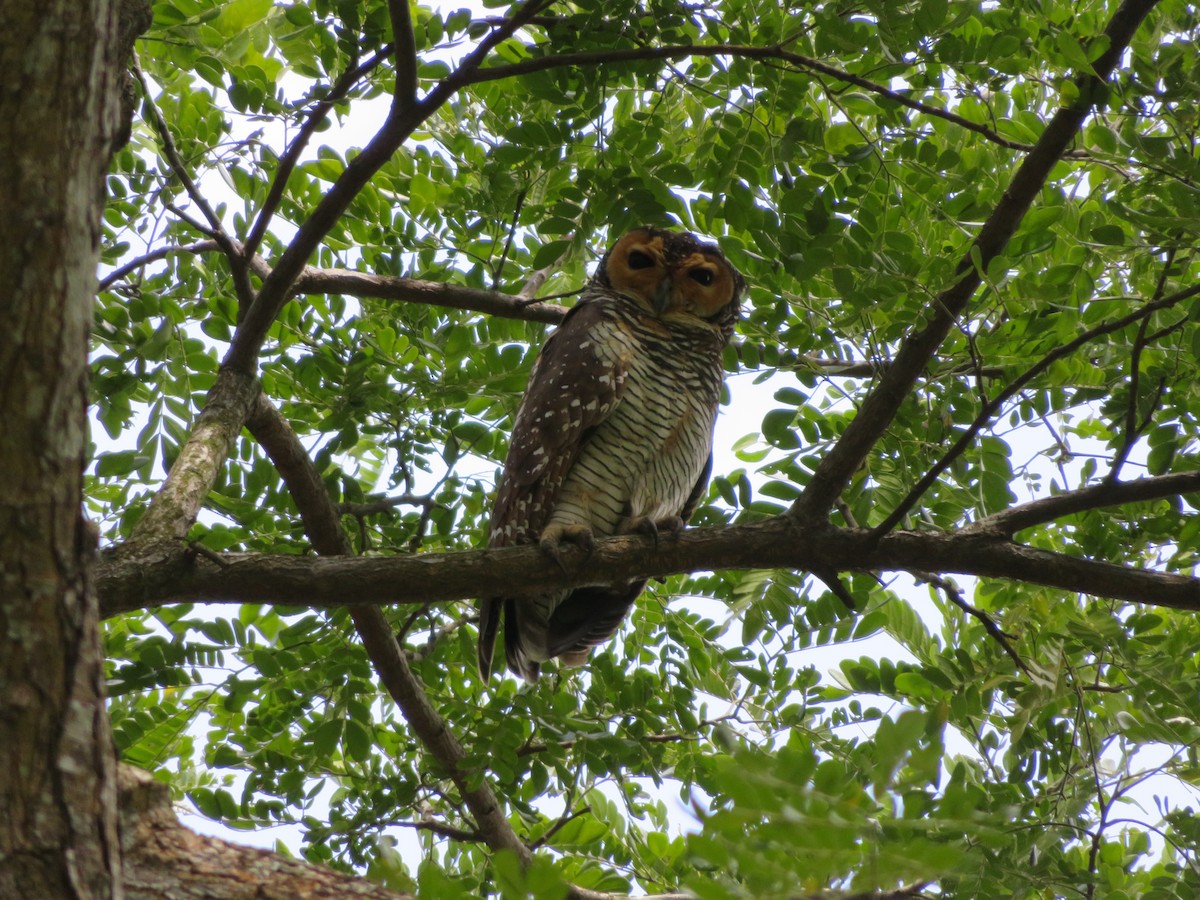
(705, 749)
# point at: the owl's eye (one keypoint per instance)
(702, 276)
(640, 260)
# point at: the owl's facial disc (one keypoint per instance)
(671, 273)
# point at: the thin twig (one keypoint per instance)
(558, 826)
(498, 269)
(1132, 429)
(241, 281)
(954, 594)
(152, 257)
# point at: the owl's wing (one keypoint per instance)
(573, 388)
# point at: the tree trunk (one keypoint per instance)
(61, 112)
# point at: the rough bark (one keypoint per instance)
(60, 119)
(778, 543)
(166, 861)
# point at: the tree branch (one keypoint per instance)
(350, 283)
(434, 293)
(880, 406)
(404, 95)
(175, 507)
(128, 582)
(954, 594)
(287, 162)
(245, 292)
(1106, 493)
(385, 504)
(440, 829)
(683, 51)
(400, 123)
(991, 409)
(324, 529)
(162, 859)
(153, 256)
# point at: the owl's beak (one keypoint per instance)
(662, 296)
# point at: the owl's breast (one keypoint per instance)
(645, 459)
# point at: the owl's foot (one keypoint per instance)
(554, 536)
(672, 526)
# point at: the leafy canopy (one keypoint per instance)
(714, 746)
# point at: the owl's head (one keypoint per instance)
(674, 273)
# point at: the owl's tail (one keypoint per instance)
(543, 627)
(489, 624)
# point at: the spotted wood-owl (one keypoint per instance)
(614, 433)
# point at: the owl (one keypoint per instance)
(613, 435)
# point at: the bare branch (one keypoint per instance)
(496, 303)
(440, 829)
(385, 504)
(880, 406)
(434, 293)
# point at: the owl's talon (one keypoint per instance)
(671, 525)
(555, 536)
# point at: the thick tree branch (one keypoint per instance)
(166, 861)
(881, 405)
(781, 542)
(176, 505)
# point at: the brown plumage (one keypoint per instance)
(614, 433)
